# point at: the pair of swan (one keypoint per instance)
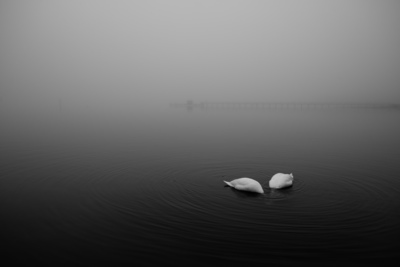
(278, 181)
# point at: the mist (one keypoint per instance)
(120, 120)
(128, 54)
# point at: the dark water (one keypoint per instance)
(146, 188)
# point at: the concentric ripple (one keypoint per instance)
(185, 200)
(122, 202)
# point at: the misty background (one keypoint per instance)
(125, 54)
(98, 165)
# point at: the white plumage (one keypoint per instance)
(246, 184)
(278, 181)
(281, 180)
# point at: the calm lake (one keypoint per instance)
(146, 188)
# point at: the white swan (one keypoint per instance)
(281, 180)
(246, 184)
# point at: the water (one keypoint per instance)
(146, 188)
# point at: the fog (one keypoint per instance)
(154, 52)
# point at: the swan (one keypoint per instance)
(246, 184)
(281, 180)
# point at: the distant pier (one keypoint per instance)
(190, 105)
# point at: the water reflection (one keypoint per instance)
(244, 194)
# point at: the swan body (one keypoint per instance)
(281, 180)
(246, 184)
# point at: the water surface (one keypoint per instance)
(146, 188)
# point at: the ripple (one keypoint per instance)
(137, 192)
(185, 189)
(183, 202)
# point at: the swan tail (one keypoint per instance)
(228, 183)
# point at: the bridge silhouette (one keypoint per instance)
(190, 105)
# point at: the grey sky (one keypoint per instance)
(161, 51)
